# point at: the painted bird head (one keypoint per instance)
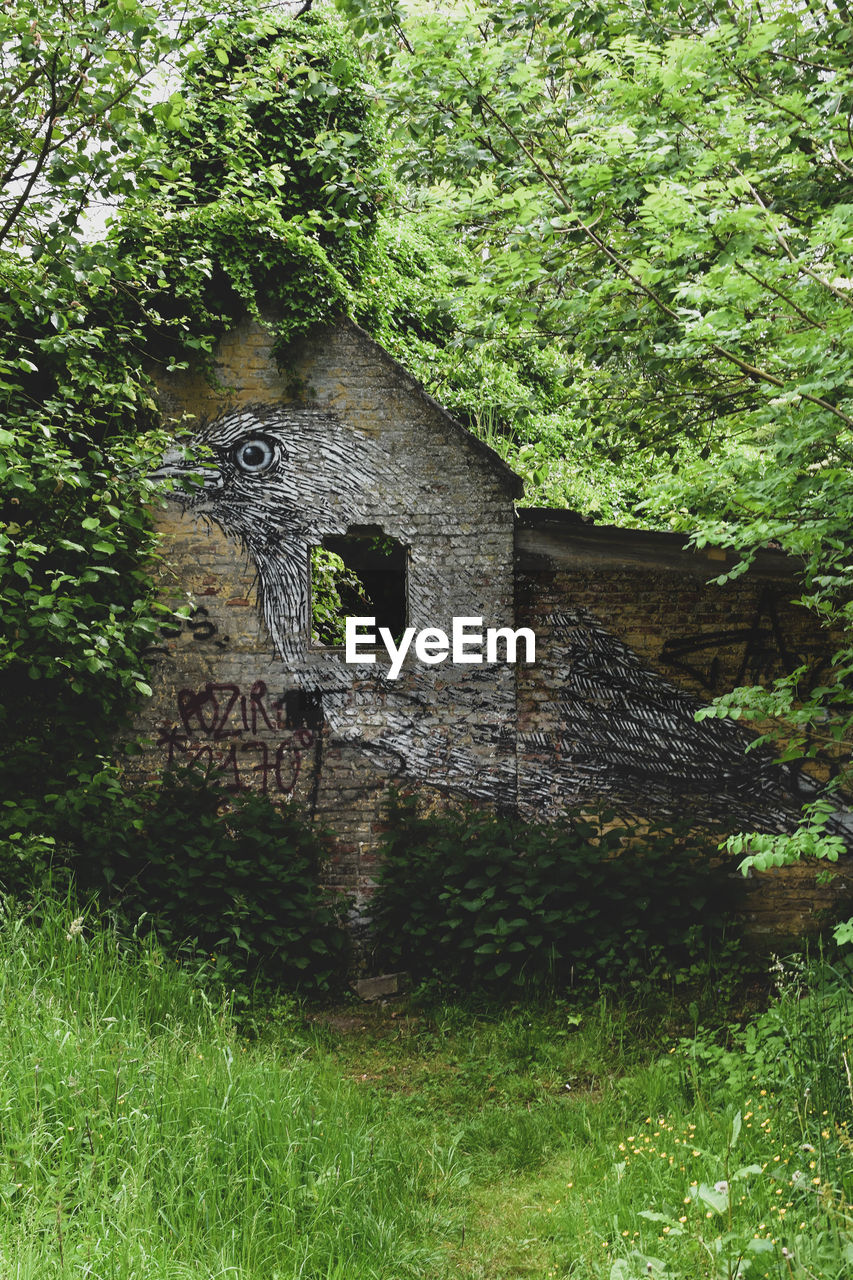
(278, 480)
(237, 472)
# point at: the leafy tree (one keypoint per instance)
(282, 206)
(75, 113)
(210, 225)
(276, 181)
(665, 192)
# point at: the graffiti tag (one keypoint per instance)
(196, 625)
(218, 725)
(764, 652)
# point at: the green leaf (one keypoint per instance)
(735, 1130)
(716, 1200)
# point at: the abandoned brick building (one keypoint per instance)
(343, 450)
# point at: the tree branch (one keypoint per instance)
(752, 371)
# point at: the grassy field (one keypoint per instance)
(146, 1133)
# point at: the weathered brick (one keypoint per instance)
(627, 629)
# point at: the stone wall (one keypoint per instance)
(357, 445)
(634, 638)
(631, 639)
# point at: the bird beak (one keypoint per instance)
(172, 465)
(189, 473)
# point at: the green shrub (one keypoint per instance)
(26, 863)
(234, 876)
(482, 900)
(799, 1047)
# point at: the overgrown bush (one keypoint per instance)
(475, 899)
(232, 876)
(799, 1046)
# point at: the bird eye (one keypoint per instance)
(255, 455)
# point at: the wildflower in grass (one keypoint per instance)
(74, 929)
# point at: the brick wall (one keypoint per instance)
(630, 637)
(633, 639)
(359, 445)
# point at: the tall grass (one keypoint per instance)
(731, 1158)
(143, 1138)
(140, 1138)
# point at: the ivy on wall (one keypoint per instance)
(254, 188)
(275, 180)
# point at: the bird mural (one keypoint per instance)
(280, 479)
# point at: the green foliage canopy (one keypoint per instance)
(88, 316)
(643, 188)
(74, 537)
(275, 181)
(73, 110)
(665, 191)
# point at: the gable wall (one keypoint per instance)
(540, 739)
(366, 447)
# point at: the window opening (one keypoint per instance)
(358, 574)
